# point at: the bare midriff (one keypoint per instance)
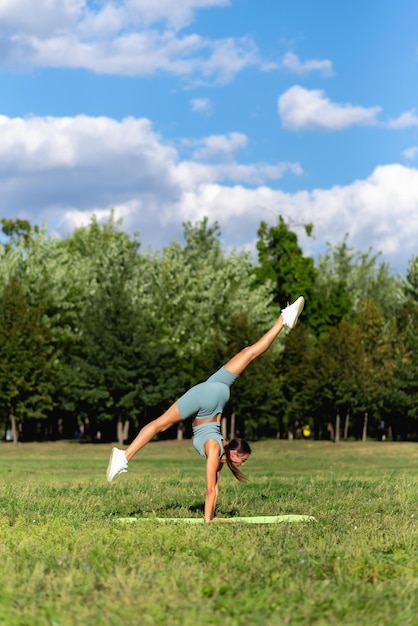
(215, 418)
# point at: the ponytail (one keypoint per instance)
(239, 445)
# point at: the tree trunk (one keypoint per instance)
(119, 433)
(14, 428)
(122, 431)
(330, 429)
(366, 417)
(232, 426)
(337, 427)
(180, 431)
(346, 423)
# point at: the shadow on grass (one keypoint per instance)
(169, 508)
(200, 508)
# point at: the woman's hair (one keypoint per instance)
(241, 446)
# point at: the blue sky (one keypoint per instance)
(233, 109)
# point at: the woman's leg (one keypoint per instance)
(118, 462)
(159, 425)
(240, 361)
(288, 317)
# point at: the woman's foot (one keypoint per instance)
(291, 313)
(117, 464)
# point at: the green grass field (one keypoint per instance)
(65, 560)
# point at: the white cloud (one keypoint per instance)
(200, 105)
(379, 212)
(190, 174)
(254, 173)
(213, 161)
(292, 62)
(131, 37)
(45, 143)
(300, 108)
(410, 154)
(54, 15)
(405, 120)
(217, 145)
(62, 170)
(57, 170)
(19, 16)
(178, 13)
(144, 54)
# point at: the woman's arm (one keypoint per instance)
(212, 450)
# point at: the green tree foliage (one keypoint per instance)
(297, 377)
(410, 284)
(411, 340)
(378, 358)
(347, 278)
(120, 370)
(282, 263)
(353, 371)
(339, 372)
(407, 370)
(28, 360)
(402, 412)
(122, 333)
(195, 291)
(109, 355)
(18, 231)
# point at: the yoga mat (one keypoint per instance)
(265, 519)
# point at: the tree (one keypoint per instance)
(354, 366)
(407, 373)
(410, 283)
(281, 261)
(28, 361)
(402, 410)
(378, 362)
(195, 291)
(296, 379)
(338, 371)
(18, 231)
(356, 277)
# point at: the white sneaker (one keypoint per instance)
(117, 464)
(291, 313)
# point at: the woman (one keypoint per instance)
(205, 402)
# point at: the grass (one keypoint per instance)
(66, 561)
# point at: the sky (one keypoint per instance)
(239, 111)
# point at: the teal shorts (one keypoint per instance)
(207, 399)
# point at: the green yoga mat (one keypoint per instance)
(264, 519)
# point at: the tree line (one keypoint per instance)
(98, 336)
